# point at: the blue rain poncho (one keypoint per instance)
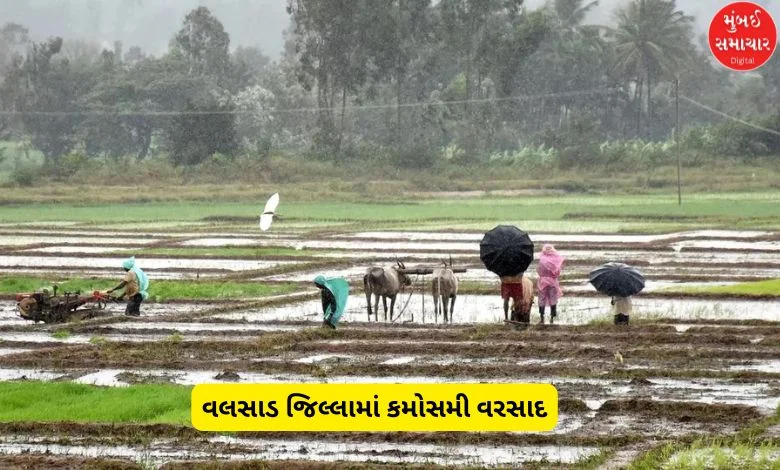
(143, 279)
(339, 287)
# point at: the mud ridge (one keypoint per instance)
(35, 461)
(682, 411)
(138, 433)
(182, 356)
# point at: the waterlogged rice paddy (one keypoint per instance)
(692, 367)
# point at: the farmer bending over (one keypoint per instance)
(136, 284)
(334, 298)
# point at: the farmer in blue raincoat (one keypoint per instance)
(335, 292)
(136, 285)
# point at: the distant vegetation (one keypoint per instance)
(373, 91)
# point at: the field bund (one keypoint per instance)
(695, 365)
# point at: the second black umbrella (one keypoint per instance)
(617, 280)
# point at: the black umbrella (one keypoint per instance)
(506, 250)
(617, 280)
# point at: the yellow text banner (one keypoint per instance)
(375, 407)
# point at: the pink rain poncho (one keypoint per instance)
(549, 269)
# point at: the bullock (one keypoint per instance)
(386, 283)
(444, 287)
(521, 312)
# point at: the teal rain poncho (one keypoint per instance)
(339, 287)
(143, 279)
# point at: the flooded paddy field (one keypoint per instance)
(572, 310)
(669, 385)
(685, 368)
(149, 263)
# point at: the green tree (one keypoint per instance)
(13, 39)
(573, 56)
(248, 64)
(402, 33)
(256, 126)
(508, 43)
(203, 42)
(121, 99)
(47, 89)
(204, 124)
(193, 81)
(331, 38)
(770, 72)
(652, 41)
(570, 15)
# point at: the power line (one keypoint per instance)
(518, 98)
(736, 119)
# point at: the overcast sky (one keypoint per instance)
(151, 23)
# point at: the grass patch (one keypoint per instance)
(63, 401)
(594, 461)
(97, 340)
(713, 455)
(758, 289)
(744, 450)
(61, 334)
(159, 291)
(175, 338)
(716, 210)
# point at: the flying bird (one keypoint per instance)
(268, 212)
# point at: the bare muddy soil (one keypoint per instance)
(689, 366)
(159, 451)
(32, 461)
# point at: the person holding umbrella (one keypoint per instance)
(621, 309)
(620, 282)
(549, 269)
(512, 288)
(507, 252)
(335, 293)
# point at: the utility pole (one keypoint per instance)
(677, 137)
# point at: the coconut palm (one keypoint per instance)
(571, 13)
(652, 42)
(574, 52)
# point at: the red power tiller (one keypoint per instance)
(59, 308)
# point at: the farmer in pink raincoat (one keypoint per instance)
(549, 269)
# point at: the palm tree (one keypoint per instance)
(571, 13)
(574, 51)
(652, 42)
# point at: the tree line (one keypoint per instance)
(411, 82)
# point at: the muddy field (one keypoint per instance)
(691, 366)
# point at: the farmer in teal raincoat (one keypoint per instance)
(335, 292)
(136, 285)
